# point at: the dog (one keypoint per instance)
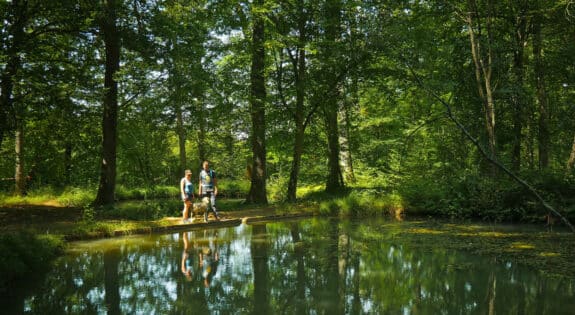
(199, 208)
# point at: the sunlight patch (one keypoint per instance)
(426, 231)
(522, 246)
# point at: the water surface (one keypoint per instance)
(312, 266)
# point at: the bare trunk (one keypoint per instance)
(202, 152)
(17, 19)
(344, 141)
(543, 123)
(334, 181)
(109, 29)
(181, 131)
(300, 124)
(20, 180)
(257, 193)
(483, 72)
(571, 160)
(518, 98)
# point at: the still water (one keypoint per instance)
(311, 266)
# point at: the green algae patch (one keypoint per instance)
(551, 253)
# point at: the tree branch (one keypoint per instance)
(487, 156)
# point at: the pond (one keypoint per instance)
(309, 266)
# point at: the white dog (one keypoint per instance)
(199, 208)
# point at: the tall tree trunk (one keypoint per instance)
(17, 19)
(543, 124)
(300, 122)
(68, 161)
(483, 71)
(20, 179)
(181, 135)
(571, 161)
(257, 193)
(334, 181)
(344, 141)
(109, 30)
(518, 97)
(202, 129)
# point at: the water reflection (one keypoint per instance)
(313, 266)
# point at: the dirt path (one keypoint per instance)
(63, 220)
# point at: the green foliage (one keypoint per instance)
(233, 188)
(144, 193)
(25, 254)
(149, 209)
(364, 203)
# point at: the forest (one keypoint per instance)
(462, 109)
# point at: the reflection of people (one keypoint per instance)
(187, 264)
(208, 187)
(187, 191)
(209, 260)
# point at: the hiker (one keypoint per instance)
(187, 191)
(187, 263)
(208, 187)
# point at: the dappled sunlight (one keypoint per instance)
(521, 245)
(488, 234)
(425, 231)
(548, 254)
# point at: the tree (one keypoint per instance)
(16, 16)
(330, 104)
(483, 55)
(258, 192)
(543, 123)
(111, 38)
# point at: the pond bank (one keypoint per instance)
(175, 224)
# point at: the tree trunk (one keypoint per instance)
(68, 162)
(543, 123)
(518, 97)
(109, 30)
(257, 193)
(202, 155)
(181, 136)
(20, 179)
(571, 160)
(334, 181)
(483, 72)
(300, 123)
(17, 19)
(344, 141)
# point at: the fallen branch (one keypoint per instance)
(488, 157)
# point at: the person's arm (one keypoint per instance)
(200, 186)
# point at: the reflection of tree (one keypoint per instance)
(259, 252)
(300, 269)
(333, 292)
(111, 278)
(491, 289)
